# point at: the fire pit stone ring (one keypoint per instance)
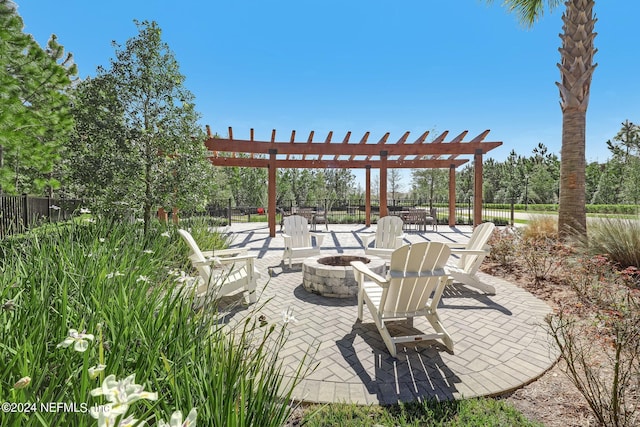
(332, 275)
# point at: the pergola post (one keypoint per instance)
(383, 183)
(452, 196)
(272, 192)
(367, 196)
(477, 188)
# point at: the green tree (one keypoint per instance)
(609, 184)
(430, 184)
(625, 148)
(513, 176)
(543, 175)
(593, 172)
(35, 117)
(248, 186)
(394, 179)
(576, 71)
(138, 144)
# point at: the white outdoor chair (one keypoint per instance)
(297, 239)
(220, 272)
(413, 287)
(471, 255)
(388, 237)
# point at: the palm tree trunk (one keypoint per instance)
(576, 70)
(572, 215)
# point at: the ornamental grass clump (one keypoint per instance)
(616, 238)
(90, 300)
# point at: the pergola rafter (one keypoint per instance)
(362, 155)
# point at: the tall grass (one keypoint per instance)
(617, 238)
(115, 282)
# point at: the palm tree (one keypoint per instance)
(576, 69)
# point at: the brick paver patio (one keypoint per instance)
(500, 340)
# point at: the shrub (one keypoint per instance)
(504, 245)
(607, 376)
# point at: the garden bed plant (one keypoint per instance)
(95, 331)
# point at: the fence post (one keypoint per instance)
(229, 210)
(25, 213)
(513, 215)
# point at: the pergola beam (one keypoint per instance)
(359, 155)
(333, 163)
(342, 149)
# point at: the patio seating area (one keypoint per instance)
(500, 340)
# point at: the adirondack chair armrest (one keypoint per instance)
(222, 261)
(215, 261)
(400, 240)
(367, 238)
(225, 252)
(287, 239)
(362, 268)
(237, 258)
(453, 246)
(319, 238)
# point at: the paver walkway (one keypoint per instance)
(500, 340)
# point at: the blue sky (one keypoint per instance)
(373, 65)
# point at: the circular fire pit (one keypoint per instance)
(332, 275)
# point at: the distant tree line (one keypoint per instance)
(128, 141)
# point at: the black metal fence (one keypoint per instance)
(349, 211)
(19, 213)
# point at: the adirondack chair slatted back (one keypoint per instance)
(415, 271)
(196, 254)
(297, 227)
(387, 232)
(478, 241)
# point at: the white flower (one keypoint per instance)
(166, 234)
(120, 394)
(102, 240)
(114, 274)
(148, 251)
(287, 316)
(22, 383)
(176, 420)
(84, 211)
(54, 207)
(91, 220)
(139, 220)
(142, 278)
(79, 340)
(94, 371)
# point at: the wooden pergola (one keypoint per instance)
(362, 154)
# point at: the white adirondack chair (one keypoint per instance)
(413, 287)
(387, 238)
(222, 273)
(471, 255)
(297, 239)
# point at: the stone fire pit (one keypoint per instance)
(332, 275)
